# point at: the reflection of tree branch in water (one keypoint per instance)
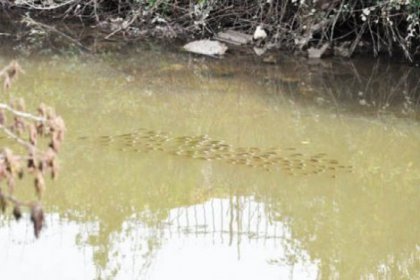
(51, 29)
(239, 226)
(149, 236)
(231, 218)
(359, 86)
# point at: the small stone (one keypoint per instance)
(259, 33)
(318, 53)
(206, 47)
(270, 59)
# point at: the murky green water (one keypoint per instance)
(177, 167)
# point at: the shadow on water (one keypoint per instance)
(198, 168)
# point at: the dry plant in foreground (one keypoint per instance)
(38, 137)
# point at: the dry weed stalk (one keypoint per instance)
(26, 129)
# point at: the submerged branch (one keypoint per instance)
(31, 22)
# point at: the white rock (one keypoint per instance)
(206, 47)
(260, 33)
(234, 37)
(318, 53)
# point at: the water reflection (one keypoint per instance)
(221, 238)
(58, 252)
(180, 196)
(359, 86)
(206, 240)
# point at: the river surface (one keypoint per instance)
(181, 167)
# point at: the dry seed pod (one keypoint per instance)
(10, 73)
(39, 184)
(42, 110)
(55, 142)
(41, 166)
(60, 127)
(7, 83)
(49, 156)
(33, 134)
(8, 159)
(37, 218)
(12, 163)
(17, 212)
(40, 129)
(21, 173)
(8, 155)
(18, 125)
(50, 113)
(2, 117)
(3, 171)
(13, 70)
(31, 162)
(50, 159)
(20, 104)
(3, 202)
(11, 183)
(55, 168)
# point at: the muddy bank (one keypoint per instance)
(307, 28)
(368, 86)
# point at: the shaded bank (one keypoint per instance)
(331, 27)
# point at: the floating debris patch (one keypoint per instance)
(286, 160)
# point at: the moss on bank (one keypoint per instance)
(345, 27)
